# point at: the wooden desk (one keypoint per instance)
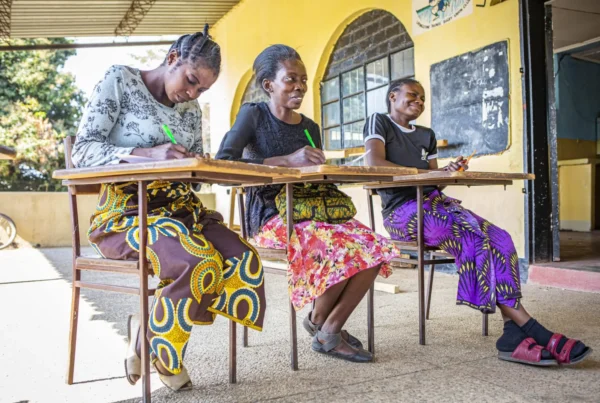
(439, 178)
(88, 180)
(325, 174)
(7, 153)
(186, 169)
(445, 178)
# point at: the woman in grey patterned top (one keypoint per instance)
(204, 268)
(123, 115)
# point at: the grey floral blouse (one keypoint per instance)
(122, 115)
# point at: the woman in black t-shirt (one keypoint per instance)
(332, 264)
(485, 255)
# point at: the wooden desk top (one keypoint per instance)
(446, 178)
(356, 170)
(7, 153)
(347, 174)
(181, 165)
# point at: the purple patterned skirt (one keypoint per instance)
(486, 258)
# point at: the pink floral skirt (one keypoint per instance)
(322, 255)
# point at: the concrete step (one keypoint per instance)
(568, 278)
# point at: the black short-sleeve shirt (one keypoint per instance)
(407, 147)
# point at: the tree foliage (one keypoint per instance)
(39, 105)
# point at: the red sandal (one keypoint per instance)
(527, 352)
(564, 357)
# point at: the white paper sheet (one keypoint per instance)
(135, 158)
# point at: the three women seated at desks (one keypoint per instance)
(207, 270)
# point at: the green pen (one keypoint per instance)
(168, 132)
(312, 143)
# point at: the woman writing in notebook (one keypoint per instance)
(204, 268)
(485, 255)
(333, 262)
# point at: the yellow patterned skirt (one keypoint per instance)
(204, 268)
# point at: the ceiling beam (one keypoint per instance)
(5, 6)
(61, 46)
(136, 13)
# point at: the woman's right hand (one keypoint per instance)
(167, 151)
(306, 156)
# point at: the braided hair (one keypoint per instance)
(395, 85)
(267, 63)
(198, 48)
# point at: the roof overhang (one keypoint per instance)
(81, 18)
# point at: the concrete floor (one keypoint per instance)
(579, 251)
(457, 364)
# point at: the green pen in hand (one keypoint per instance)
(169, 134)
(312, 143)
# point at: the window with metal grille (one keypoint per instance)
(352, 96)
(373, 50)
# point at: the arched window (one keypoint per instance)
(254, 92)
(373, 49)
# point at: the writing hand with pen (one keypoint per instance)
(460, 164)
(168, 151)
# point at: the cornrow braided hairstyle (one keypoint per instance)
(395, 85)
(198, 48)
(267, 63)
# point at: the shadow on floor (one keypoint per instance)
(115, 307)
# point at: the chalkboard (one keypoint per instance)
(470, 101)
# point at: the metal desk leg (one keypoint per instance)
(371, 292)
(420, 265)
(430, 285)
(484, 324)
(143, 237)
(242, 211)
(289, 189)
(232, 352)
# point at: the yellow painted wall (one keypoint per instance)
(44, 218)
(570, 149)
(312, 27)
(576, 181)
(576, 185)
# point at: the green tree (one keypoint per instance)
(39, 105)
